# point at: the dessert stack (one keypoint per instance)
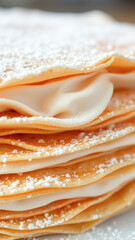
(67, 121)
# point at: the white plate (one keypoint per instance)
(121, 227)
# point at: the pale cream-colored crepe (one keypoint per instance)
(61, 68)
(67, 121)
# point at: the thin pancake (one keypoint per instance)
(45, 224)
(68, 142)
(59, 52)
(120, 108)
(76, 175)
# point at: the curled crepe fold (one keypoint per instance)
(61, 81)
(121, 107)
(67, 121)
(74, 101)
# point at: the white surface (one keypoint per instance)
(121, 227)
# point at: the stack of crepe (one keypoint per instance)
(67, 121)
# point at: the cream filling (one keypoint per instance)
(73, 100)
(25, 166)
(93, 190)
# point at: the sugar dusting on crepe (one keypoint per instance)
(60, 175)
(56, 43)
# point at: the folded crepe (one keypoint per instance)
(67, 121)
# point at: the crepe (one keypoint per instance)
(67, 121)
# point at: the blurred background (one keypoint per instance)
(122, 10)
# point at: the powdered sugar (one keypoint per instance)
(37, 42)
(120, 228)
